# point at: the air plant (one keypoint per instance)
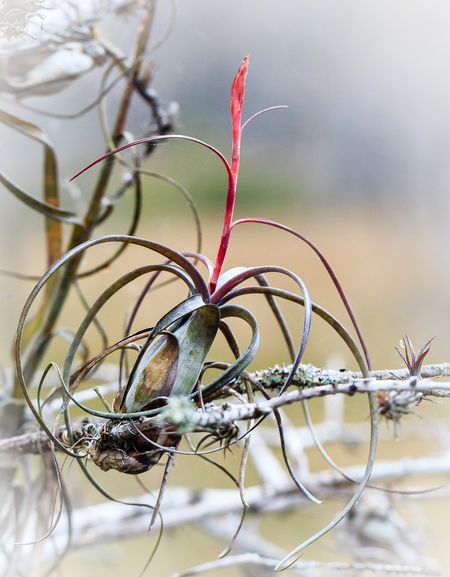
(395, 404)
(173, 357)
(413, 360)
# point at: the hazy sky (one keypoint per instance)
(366, 82)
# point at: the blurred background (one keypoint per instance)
(358, 163)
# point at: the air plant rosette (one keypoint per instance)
(395, 404)
(174, 355)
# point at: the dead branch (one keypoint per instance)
(316, 383)
(300, 567)
(112, 521)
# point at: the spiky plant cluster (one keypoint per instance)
(395, 404)
(413, 360)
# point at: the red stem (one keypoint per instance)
(237, 100)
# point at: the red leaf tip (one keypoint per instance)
(238, 88)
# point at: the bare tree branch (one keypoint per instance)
(309, 375)
(300, 567)
(402, 396)
(112, 520)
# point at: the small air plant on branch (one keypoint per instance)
(395, 404)
(173, 358)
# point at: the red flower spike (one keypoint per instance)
(237, 100)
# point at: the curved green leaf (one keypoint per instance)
(50, 180)
(328, 268)
(318, 310)
(171, 255)
(155, 375)
(48, 275)
(294, 555)
(235, 369)
(220, 293)
(194, 335)
(37, 410)
(277, 414)
(132, 228)
(103, 298)
(279, 317)
(176, 314)
(25, 128)
(44, 208)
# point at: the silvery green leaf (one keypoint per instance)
(173, 357)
